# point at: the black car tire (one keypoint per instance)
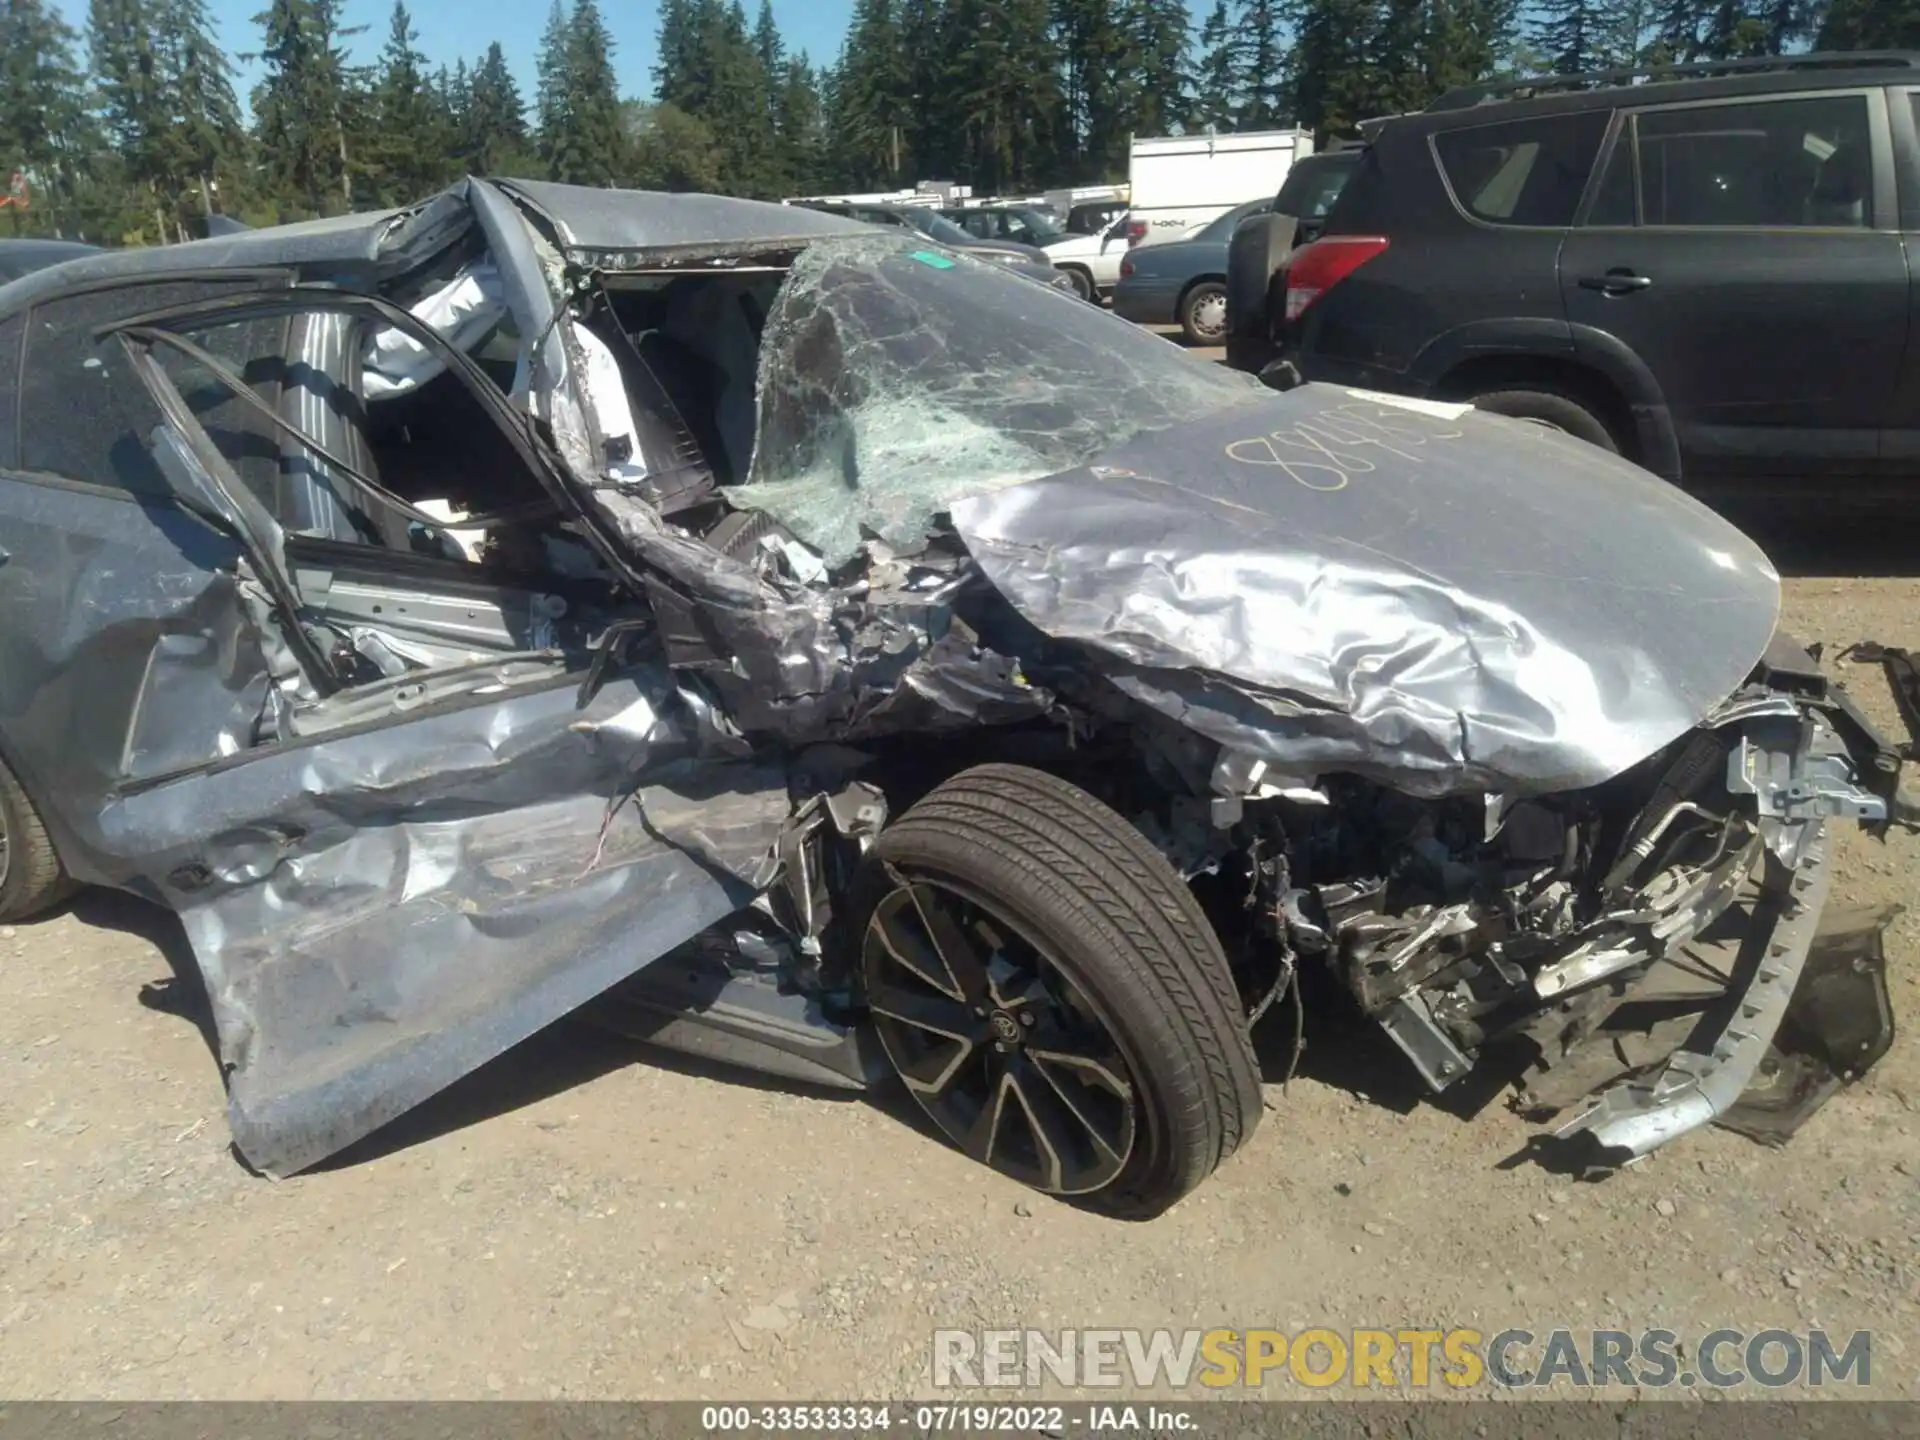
(1075, 881)
(34, 879)
(1190, 304)
(1550, 407)
(1082, 280)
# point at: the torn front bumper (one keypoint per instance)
(1704, 1079)
(1806, 1009)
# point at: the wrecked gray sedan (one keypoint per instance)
(841, 657)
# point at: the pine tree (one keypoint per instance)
(44, 132)
(769, 175)
(1575, 35)
(495, 140)
(165, 95)
(768, 47)
(1732, 31)
(1785, 24)
(737, 109)
(1473, 40)
(414, 138)
(1161, 32)
(675, 45)
(208, 137)
(307, 108)
(802, 130)
(1329, 86)
(1720, 29)
(127, 75)
(1259, 39)
(551, 84)
(453, 92)
(870, 98)
(669, 149)
(1005, 87)
(1870, 25)
(1094, 100)
(1218, 83)
(926, 115)
(712, 70)
(1398, 56)
(591, 148)
(1421, 49)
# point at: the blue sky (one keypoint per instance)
(453, 30)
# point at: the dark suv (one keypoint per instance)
(1704, 268)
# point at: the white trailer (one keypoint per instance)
(1183, 181)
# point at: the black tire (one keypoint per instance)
(1082, 281)
(1551, 407)
(1070, 878)
(1206, 298)
(33, 879)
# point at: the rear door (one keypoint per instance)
(122, 655)
(1900, 435)
(1474, 216)
(1748, 252)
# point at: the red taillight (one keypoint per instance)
(1136, 231)
(1126, 267)
(1315, 269)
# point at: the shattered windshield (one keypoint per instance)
(895, 380)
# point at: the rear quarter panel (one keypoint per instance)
(1441, 270)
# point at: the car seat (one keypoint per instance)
(320, 396)
(1839, 194)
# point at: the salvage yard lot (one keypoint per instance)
(582, 1220)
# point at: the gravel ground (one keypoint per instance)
(582, 1220)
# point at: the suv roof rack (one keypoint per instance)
(1466, 96)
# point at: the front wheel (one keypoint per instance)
(1082, 281)
(1052, 994)
(1553, 409)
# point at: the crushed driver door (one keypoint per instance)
(451, 860)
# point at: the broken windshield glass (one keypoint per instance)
(896, 379)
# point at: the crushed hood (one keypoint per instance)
(1438, 598)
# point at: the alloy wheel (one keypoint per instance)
(994, 1041)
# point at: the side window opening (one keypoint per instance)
(406, 591)
(1522, 172)
(1771, 164)
(255, 350)
(687, 348)
(1312, 186)
(91, 417)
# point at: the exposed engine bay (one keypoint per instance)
(1577, 941)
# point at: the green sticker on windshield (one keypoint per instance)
(938, 262)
